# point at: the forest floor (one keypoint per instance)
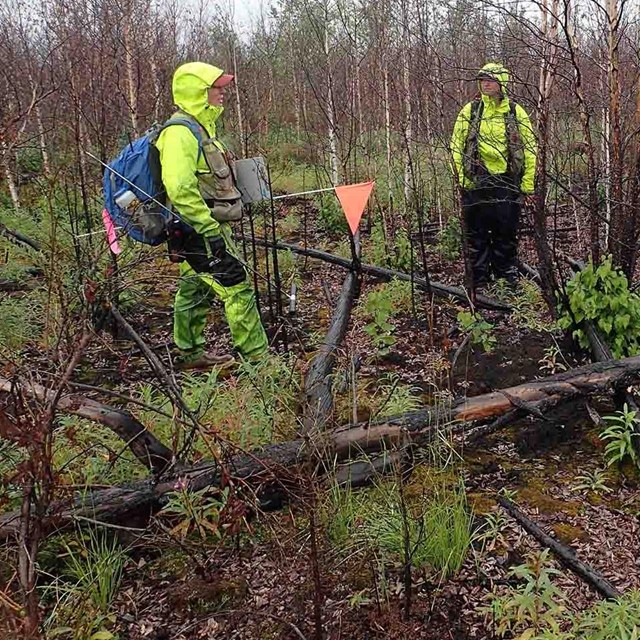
(260, 583)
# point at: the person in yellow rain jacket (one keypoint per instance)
(494, 157)
(200, 187)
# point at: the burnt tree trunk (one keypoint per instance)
(429, 286)
(143, 444)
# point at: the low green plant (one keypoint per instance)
(289, 272)
(253, 407)
(439, 522)
(385, 251)
(550, 360)
(450, 239)
(592, 481)
(330, 214)
(537, 609)
(601, 295)
(393, 398)
(82, 596)
(85, 453)
(621, 437)
(379, 307)
(479, 330)
(340, 513)
(10, 458)
(21, 322)
(289, 224)
(196, 511)
(536, 606)
(491, 533)
(439, 526)
(529, 307)
(607, 620)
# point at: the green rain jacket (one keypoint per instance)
(178, 147)
(492, 139)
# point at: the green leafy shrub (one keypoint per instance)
(380, 306)
(394, 253)
(602, 296)
(535, 606)
(619, 620)
(479, 330)
(450, 239)
(331, 215)
(196, 511)
(536, 609)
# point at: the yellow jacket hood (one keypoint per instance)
(497, 72)
(191, 82)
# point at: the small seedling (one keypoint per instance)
(549, 362)
(593, 481)
(621, 436)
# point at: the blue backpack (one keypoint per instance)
(134, 195)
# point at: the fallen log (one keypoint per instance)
(18, 238)
(566, 554)
(143, 444)
(318, 397)
(272, 468)
(430, 286)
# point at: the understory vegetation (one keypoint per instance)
(413, 458)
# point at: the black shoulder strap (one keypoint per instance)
(477, 107)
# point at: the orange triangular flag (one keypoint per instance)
(353, 198)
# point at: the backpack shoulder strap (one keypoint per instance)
(192, 124)
(513, 113)
(477, 108)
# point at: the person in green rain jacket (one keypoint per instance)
(201, 189)
(494, 157)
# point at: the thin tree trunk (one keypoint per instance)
(617, 241)
(330, 107)
(243, 140)
(46, 163)
(129, 67)
(546, 82)
(5, 153)
(585, 121)
(409, 182)
(387, 129)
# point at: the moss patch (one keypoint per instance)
(567, 533)
(481, 503)
(546, 503)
